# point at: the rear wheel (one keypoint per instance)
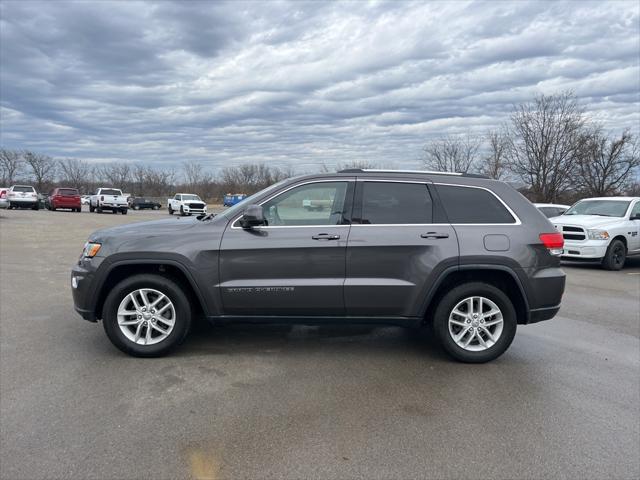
(475, 322)
(147, 315)
(98, 208)
(124, 211)
(615, 256)
(36, 207)
(170, 210)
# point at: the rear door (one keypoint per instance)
(296, 264)
(397, 247)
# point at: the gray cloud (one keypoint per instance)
(299, 83)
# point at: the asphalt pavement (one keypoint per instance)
(306, 402)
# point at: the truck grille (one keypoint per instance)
(573, 233)
(197, 206)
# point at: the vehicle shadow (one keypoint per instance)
(292, 339)
(630, 263)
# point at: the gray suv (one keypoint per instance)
(469, 256)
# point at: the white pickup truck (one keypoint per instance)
(605, 229)
(186, 204)
(108, 199)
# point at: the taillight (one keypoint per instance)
(553, 241)
(3, 194)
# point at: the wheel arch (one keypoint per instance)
(172, 269)
(500, 276)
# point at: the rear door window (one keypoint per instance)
(472, 205)
(396, 203)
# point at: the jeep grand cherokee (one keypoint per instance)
(468, 255)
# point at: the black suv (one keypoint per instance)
(468, 255)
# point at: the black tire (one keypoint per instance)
(182, 211)
(615, 257)
(91, 208)
(98, 208)
(157, 282)
(451, 299)
(124, 211)
(170, 210)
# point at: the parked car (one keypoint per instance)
(551, 210)
(469, 255)
(4, 201)
(108, 199)
(186, 204)
(85, 199)
(23, 196)
(64, 198)
(229, 200)
(140, 203)
(605, 230)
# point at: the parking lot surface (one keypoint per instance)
(306, 402)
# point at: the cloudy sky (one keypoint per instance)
(299, 84)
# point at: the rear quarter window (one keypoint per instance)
(389, 203)
(472, 205)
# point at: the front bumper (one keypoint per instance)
(82, 275)
(4, 203)
(194, 210)
(590, 249)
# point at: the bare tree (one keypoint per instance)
(607, 165)
(11, 164)
(75, 173)
(250, 178)
(117, 174)
(195, 174)
(494, 164)
(452, 154)
(42, 167)
(544, 142)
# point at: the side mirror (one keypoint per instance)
(635, 217)
(253, 217)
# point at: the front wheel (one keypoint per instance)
(615, 257)
(182, 214)
(170, 210)
(147, 315)
(123, 211)
(91, 208)
(475, 322)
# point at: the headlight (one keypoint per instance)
(91, 249)
(598, 234)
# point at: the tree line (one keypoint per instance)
(548, 148)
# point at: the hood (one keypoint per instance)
(587, 221)
(144, 229)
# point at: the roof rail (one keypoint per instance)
(376, 170)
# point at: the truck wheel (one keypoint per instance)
(475, 322)
(182, 211)
(615, 257)
(124, 211)
(98, 208)
(146, 315)
(170, 210)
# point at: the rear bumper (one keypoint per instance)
(540, 314)
(4, 203)
(544, 289)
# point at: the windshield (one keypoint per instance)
(191, 198)
(110, 191)
(239, 207)
(604, 208)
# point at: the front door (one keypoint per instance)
(396, 249)
(294, 265)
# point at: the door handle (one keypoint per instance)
(434, 235)
(326, 236)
